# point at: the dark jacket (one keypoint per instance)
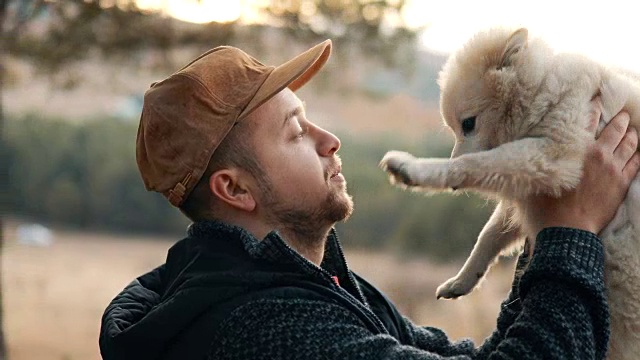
(222, 294)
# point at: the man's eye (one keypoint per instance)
(302, 131)
(468, 125)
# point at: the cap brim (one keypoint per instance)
(293, 74)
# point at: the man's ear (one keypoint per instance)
(230, 186)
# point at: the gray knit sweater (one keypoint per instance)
(224, 295)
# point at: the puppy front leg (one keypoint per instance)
(406, 170)
(496, 236)
(516, 169)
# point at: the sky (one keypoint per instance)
(603, 30)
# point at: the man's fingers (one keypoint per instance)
(631, 168)
(594, 114)
(613, 133)
(627, 147)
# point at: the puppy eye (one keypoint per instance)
(468, 125)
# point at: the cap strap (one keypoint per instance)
(177, 193)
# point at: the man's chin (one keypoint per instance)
(341, 207)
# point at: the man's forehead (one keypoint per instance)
(280, 106)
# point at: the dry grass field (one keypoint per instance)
(54, 296)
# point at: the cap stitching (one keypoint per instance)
(207, 90)
(254, 95)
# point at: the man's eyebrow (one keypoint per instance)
(295, 112)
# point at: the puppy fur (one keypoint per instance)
(519, 115)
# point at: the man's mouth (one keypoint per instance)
(334, 169)
(335, 172)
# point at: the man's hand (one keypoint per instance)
(611, 163)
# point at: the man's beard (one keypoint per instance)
(307, 220)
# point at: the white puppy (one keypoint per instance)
(518, 112)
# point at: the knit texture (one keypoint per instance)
(253, 299)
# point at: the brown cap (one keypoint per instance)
(186, 116)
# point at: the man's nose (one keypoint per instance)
(328, 143)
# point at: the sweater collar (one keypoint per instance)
(271, 249)
(274, 250)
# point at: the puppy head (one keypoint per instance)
(483, 91)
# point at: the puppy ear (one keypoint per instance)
(517, 41)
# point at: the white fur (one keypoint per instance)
(530, 107)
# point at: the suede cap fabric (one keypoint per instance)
(186, 116)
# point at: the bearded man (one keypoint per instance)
(261, 273)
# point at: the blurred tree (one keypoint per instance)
(376, 27)
(4, 178)
(55, 34)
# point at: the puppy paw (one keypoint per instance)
(455, 287)
(396, 164)
(427, 174)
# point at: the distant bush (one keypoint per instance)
(85, 175)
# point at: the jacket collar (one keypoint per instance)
(214, 235)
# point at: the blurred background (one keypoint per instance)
(77, 224)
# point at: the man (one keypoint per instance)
(261, 274)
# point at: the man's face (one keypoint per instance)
(306, 188)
